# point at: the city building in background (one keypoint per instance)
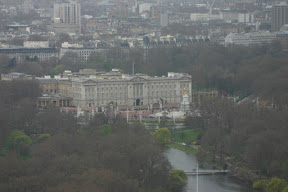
(247, 39)
(21, 54)
(16, 76)
(67, 17)
(164, 19)
(279, 17)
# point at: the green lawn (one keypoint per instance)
(185, 135)
(155, 121)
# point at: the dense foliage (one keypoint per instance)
(17, 106)
(48, 150)
(274, 185)
(177, 180)
(163, 136)
(246, 134)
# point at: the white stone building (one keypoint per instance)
(138, 90)
(247, 39)
(246, 18)
(83, 53)
(22, 53)
(36, 44)
(144, 7)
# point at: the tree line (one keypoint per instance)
(243, 135)
(50, 151)
(235, 69)
(259, 70)
(251, 135)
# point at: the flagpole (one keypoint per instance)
(197, 176)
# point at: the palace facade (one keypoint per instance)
(134, 90)
(130, 91)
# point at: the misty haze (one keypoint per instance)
(143, 96)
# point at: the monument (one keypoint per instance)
(183, 109)
(185, 105)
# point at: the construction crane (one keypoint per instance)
(210, 7)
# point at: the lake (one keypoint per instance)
(207, 183)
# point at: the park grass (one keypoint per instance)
(144, 121)
(155, 121)
(185, 135)
(183, 148)
(143, 189)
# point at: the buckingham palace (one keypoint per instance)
(120, 90)
(130, 91)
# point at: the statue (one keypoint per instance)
(185, 91)
(185, 105)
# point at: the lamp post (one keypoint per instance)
(140, 116)
(197, 176)
(173, 117)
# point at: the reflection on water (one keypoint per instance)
(207, 183)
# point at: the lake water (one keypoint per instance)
(207, 183)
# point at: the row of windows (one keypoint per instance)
(125, 102)
(51, 91)
(135, 87)
(106, 95)
(139, 92)
(106, 102)
(111, 88)
(120, 94)
(87, 89)
(161, 86)
(162, 93)
(50, 85)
